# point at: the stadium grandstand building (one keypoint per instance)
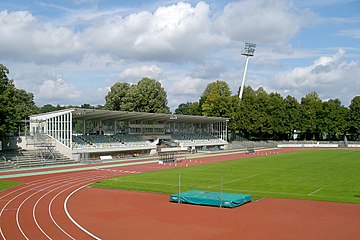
(83, 134)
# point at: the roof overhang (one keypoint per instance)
(107, 115)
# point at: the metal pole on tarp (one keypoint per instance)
(179, 190)
(220, 191)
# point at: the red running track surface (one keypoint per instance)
(60, 206)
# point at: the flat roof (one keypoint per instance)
(95, 114)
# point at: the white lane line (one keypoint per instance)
(119, 171)
(58, 182)
(30, 187)
(69, 216)
(23, 202)
(53, 199)
(15, 197)
(37, 202)
(236, 180)
(95, 177)
(44, 182)
(314, 192)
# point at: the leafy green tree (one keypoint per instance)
(311, 105)
(25, 105)
(293, 115)
(7, 103)
(215, 99)
(245, 113)
(261, 120)
(220, 87)
(49, 108)
(146, 96)
(354, 117)
(277, 114)
(189, 108)
(116, 96)
(332, 119)
(15, 104)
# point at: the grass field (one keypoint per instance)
(7, 184)
(326, 175)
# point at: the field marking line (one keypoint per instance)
(314, 192)
(154, 183)
(239, 179)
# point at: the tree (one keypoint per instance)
(215, 98)
(332, 119)
(50, 108)
(116, 96)
(15, 104)
(277, 114)
(220, 87)
(293, 115)
(189, 108)
(261, 120)
(25, 105)
(7, 103)
(245, 112)
(146, 96)
(311, 105)
(354, 117)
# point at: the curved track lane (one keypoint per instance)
(38, 208)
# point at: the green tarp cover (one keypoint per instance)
(229, 200)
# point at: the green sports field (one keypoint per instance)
(7, 184)
(326, 175)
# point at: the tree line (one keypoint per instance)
(270, 116)
(258, 116)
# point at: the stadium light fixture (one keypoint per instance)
(249, 51)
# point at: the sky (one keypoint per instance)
(70, 52)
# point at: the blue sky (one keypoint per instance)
(73, 51)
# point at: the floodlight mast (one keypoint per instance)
(249, 50)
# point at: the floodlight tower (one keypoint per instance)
(249, 50)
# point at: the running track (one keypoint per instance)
(38, 208)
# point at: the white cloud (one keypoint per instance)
(23, 38)
(56, 91)
(175, 33)
(86, 1)
(187, 86)
(184, 89)
(208, 70)
(262, 21)
(136, 73)
(92, 48)
(330, 76)
(355, 33)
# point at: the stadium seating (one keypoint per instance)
(29, 158)
(196, 139)
(108, 141)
